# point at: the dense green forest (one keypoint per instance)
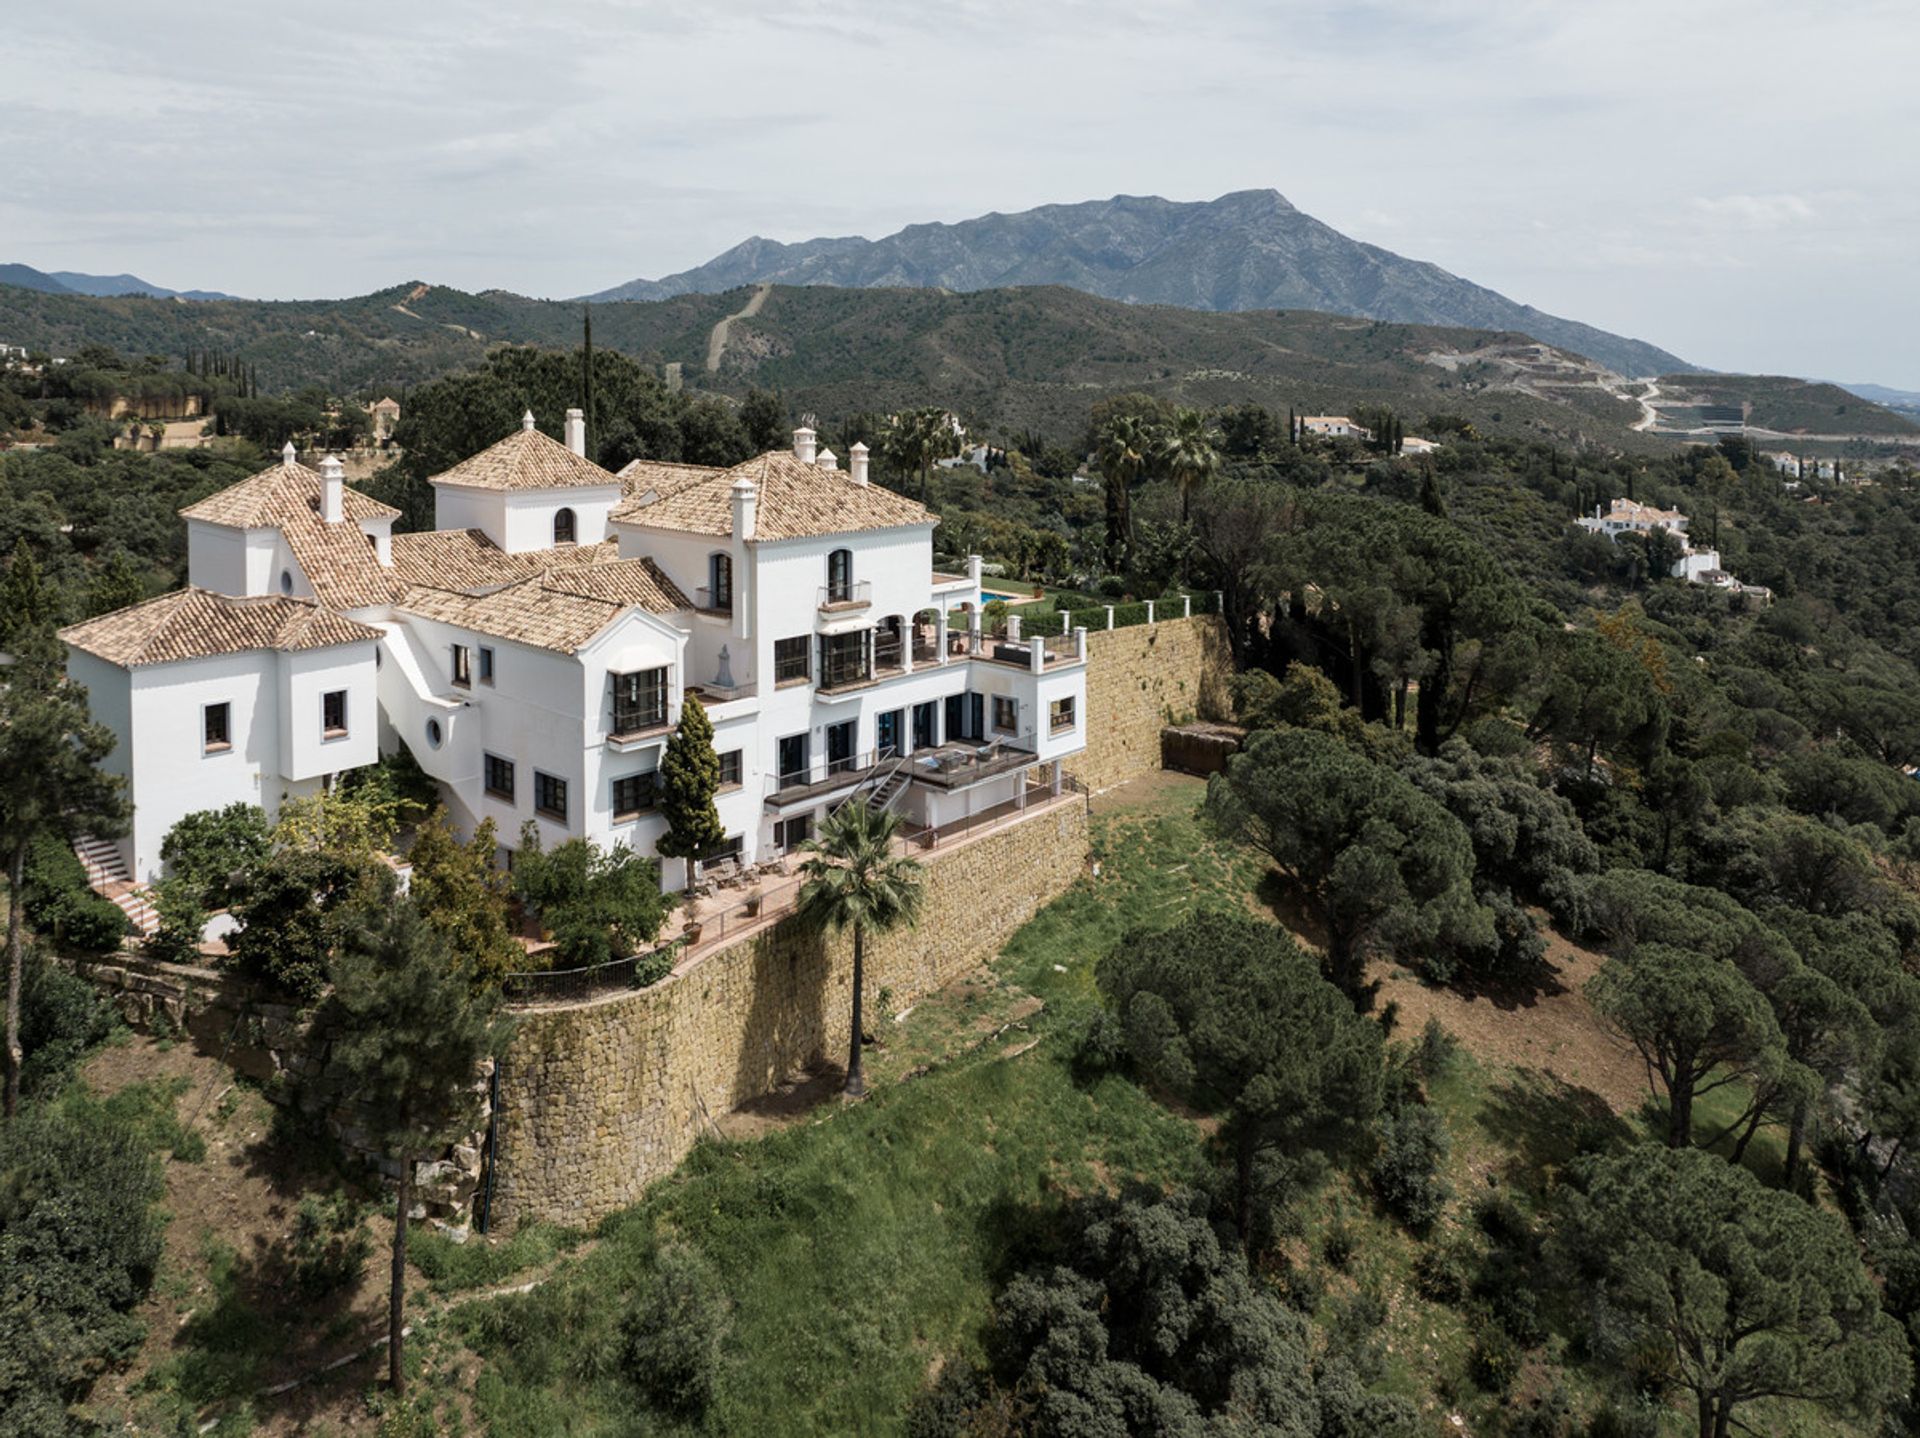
(1476, 736)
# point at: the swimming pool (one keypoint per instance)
(987, 596)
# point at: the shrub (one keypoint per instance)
(1494, 1360)
(1101, 1045)
(1338, 1243)
(328, 1249)
(61, 1017)
(1406, 1170)
(79, 1240)
(177, 900)
(57, 902)
(1434, 1052)
(210, 849)
(598, 904)
(1443, 1270)
(672, 1332)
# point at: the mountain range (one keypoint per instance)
(72, 282)
(1250, 250)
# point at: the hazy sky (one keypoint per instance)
(1738, 182)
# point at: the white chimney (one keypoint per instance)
(577, 432)
(333, 489)
(803, 439)
(828, 460)
(857, 462)
(746, 504)
(289, 455)
(526, 420)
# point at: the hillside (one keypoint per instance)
(1011, 358)
(1251, 250)
(75, 282)
(1779, 405)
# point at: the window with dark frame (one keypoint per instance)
(639, 701)
(1060, 714)
(564, 528)
(1006, 715)
(549, 796)
(790, 834)
(845, 659)
(634, 795)
(333, 714)
(463, 666)
(218, 727)
(730, 769)
(790, 660)
(498, 776)
(839, 576)
(720, 582)
(486, 664)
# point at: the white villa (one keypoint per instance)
(1696, 566)
(534, 650)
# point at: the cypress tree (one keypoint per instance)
(689, 778)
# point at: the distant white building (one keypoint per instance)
(1696, 566)
(534, 650)
(1413, 444)
(1333, 426)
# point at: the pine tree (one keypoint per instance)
(689, 778)
(410, 1034)
(27, 606)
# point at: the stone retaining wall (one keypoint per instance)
(599, 1099)
(1141, 679)
(281, 1047)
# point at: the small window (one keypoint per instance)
(840, 576)
(720, 582)
(789, 834)
(218, 728)
(1060, 714)
(1006, 714)
(286, 581)
(564, 528)
(333, 714)
(499, 777)
(633, 795)
(730, 769)
(434, 734)
(463, 666)
(486, 664)
(730, 848)
(790, 660)
(549, 796)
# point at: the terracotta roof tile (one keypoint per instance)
(262, 500)
(797, 500)
(466, 559)
(197, 623)
(561, 608)
(526, 459)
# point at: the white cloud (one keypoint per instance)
(1691, 173)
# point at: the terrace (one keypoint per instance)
(729, 903)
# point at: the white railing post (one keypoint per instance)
(1037, 653)
(1109, 616)
(1186, 601)
(1080, 642)
(1219, 601)
(1149, 611)
(940, 635)
(1013, 627)
(973, 631)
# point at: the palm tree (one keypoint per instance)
(855, 880)
(1126, 446)
(1187, 454)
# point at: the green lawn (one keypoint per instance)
(862, 1246)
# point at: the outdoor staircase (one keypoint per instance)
(880, 798)
(107, 876)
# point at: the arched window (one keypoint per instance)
(720, 582)
(840, 576)
(563, 527)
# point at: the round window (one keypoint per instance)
(286, 581)
(433, 733)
